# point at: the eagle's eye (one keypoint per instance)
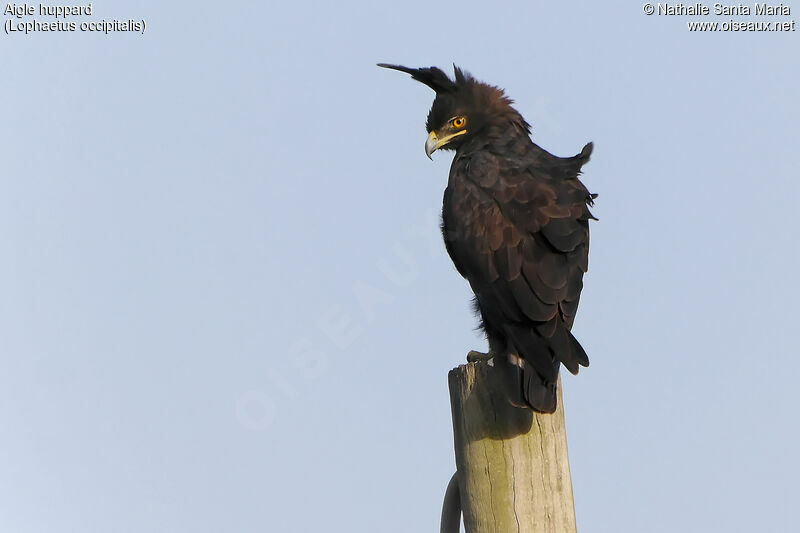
(458, 122)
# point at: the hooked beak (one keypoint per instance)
(433, 142)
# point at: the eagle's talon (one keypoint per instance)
(477, 357)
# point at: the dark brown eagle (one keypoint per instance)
(515, 222)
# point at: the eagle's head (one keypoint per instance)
(464, 108)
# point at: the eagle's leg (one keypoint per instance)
(477, 357)
(516, 360)
(510, 367)
(496, 345)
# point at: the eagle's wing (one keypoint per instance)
(520, 235)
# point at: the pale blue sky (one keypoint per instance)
(225, 306)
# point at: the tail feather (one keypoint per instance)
(568, 350)
(539, 394)
(531, 346)
(525, 387)
(578, 352)
(534, 383)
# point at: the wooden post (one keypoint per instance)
(512, 464)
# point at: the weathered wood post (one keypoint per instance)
(512, 464)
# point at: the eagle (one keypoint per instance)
(515, 222)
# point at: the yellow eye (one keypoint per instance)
(459, 122)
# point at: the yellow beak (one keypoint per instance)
(433, 142)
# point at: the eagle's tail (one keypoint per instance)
(525, 386)
(539, 393)
(533, 365)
